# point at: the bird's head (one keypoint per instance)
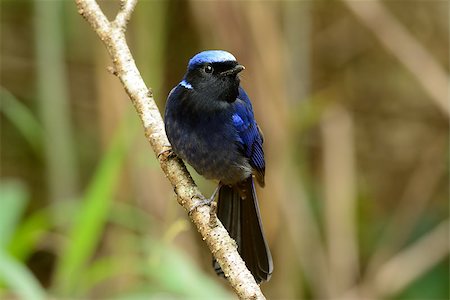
(214, 74)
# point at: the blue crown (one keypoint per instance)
(211, 56)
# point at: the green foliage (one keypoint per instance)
(176, 274)
(92, 215)
(124, 237)
(13, 273)
(29, 232)
(19, 278)
(14, 200)
(22, 118)
(432, 285)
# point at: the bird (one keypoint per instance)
(210, 124)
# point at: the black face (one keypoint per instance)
(218, 81)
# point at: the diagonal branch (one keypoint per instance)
(408, 265)
(219, 242)
(395, 38)
(405, 267)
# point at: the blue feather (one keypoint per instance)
(249, 135)
(210, 56)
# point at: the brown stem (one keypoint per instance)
(219, 242)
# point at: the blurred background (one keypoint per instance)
(351, 96)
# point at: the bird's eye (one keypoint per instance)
(209, 69)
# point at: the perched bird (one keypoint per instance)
(209, 122)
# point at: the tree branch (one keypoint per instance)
(219, 242)
(125, 12)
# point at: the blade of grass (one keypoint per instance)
(92, 216)
(167, 269)
(22, 118)
(14, 200)
(53, 101)
(29, 233)
(177, 274)
(36, 226)
(19, 279)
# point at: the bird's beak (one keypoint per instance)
(233, 71)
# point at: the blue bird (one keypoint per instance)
(210, 123)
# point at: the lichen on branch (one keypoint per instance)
(221, 245)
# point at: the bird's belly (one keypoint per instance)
(213, 155)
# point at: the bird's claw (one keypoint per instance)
(212, 203)
(202, 202)
(166, 152)
(212, 213)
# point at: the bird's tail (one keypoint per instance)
(239, 212)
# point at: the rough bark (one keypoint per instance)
(213, 233)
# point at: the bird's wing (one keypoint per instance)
(249, 135)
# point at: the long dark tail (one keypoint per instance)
(239, 212)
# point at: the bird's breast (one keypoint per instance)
(209, 144)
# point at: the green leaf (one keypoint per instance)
(92, 216)
(22, 118)
(28, 234)
(19, 279)
(177, 274)
(14, 200)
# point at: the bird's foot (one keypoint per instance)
(212, 203)
(201, 202)
(167, 152)
(213, 215)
